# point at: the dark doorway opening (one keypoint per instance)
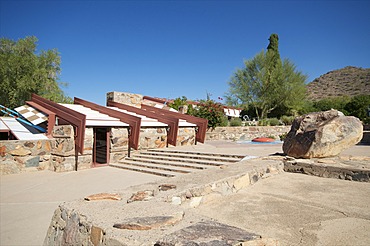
(101, 146)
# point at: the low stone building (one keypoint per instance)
(84, 134)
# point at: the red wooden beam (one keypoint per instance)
(74, 118)
(172, 122)
(133, 121)
(200, 122)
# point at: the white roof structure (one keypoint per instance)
(20, 131)
(3, 127)
(31, 114)
(95, 118)
(145, 121)
(232, 112)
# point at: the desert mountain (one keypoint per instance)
(348, 81)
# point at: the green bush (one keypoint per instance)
(273, 122)
(210, 110)
(338, 103)
(225, 121)
(358, 107)
(263, 122)
(287, 120)
(235, 122)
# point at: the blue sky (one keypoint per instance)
(171, 49)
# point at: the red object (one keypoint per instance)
(264, 140)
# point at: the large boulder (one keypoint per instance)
(322, 134)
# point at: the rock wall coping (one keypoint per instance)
(91, 223)
(246, 132)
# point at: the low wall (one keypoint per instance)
(246, 132)
(18, 156)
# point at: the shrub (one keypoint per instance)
(210, 110)
(273, 122)
(225, 121)
(359, 107)
(263, 122)
(235, 122)
(337, 103)
(287, 120)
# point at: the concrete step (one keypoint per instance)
(170, 163)
(195, 155)
(143, 170)
(156, 166)
(177, 161)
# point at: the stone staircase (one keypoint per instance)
(170, 163)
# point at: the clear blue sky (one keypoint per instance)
(171, 49)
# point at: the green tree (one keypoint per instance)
(338, 103)
(23, 72)
(181, 102)
(266, 83)
(359, 106)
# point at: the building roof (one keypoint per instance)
(20, 131)
(145, 121)
(95, 118)
(31, 114)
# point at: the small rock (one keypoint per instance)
(241, 182)
(29, 144)
(188, 194)
(165, 187)
(195, 201)
(176, 200)
(326, 161)
(20, 152)
(141, 196)
(103, 196)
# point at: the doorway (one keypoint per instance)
(101, 146)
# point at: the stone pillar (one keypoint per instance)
(131, 99)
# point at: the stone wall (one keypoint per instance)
(91, 222)
(246, 132)
(134, 100)
(18, 156)
(63, 151)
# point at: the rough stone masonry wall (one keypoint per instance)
(63, 152)
(134, 100)
(20, 156)
(246, 132)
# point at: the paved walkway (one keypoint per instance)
(28, 200)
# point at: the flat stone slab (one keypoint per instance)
(208, 233)
(103, 196)
(145, 195)
(148, 223)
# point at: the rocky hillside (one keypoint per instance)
(348, 81)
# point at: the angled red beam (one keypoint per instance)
(172, 122)
(51, 116)
(74, 118)
(158, 100)
(133, 121)
(200, 122)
